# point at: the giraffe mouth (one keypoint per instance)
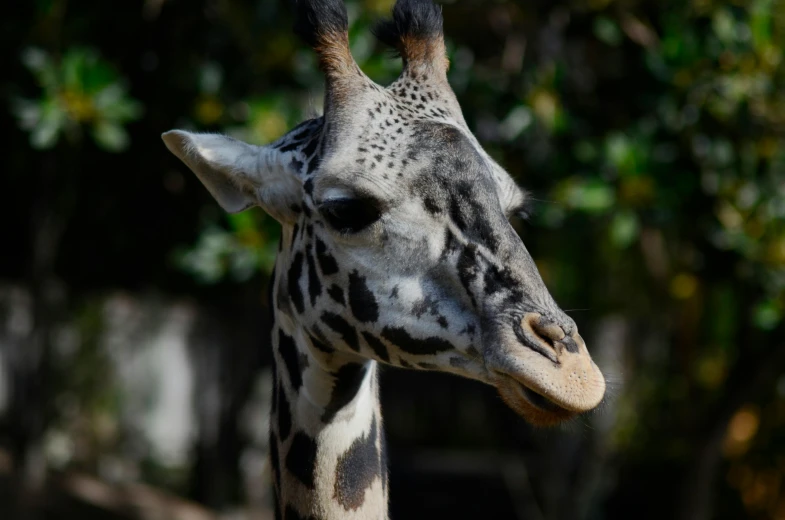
(530, 404)
(540, 401)
(544, 373)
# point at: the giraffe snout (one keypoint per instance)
(545, 371)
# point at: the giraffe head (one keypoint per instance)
(397, 244)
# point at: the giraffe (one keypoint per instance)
(396, 249)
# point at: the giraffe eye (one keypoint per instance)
(350, 215)
(523, 211)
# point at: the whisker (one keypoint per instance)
(545, 200)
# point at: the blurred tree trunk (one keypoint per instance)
(228, 356)
(609, 352)
(756, 371)
(578, 464)
(30, 405)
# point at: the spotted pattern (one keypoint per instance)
(377, 346)
(362, 300)
(357, 469)
(301, 459)
(347, 332)
(284, 416)
(290, 355)
(347, 381)
(399, 337)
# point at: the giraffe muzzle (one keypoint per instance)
(547, 375)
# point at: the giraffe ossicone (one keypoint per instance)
(397, 249)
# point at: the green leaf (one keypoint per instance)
(242, 221)
(607, 31)
(210, 78)
(624, 229)
(767, 315)
(618, 148)
(45, 133)
(110, 136)
(36, 59)
(761, 22)
(113, 104)
(70, 68)
(724, 26)
(585, 151)
(42, 67)
(594, 197)
(518, 120)
(27, 112)
(591, 196)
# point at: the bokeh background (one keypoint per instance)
(134, 367)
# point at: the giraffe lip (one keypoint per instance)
(533, 406)
(534, 398)
(540, 401)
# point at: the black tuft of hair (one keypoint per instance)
(319, 18)
(412, 18)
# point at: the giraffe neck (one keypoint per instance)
(326, 438)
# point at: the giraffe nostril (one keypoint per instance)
(549, 332)
(541, 335)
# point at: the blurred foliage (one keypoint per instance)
(651, 134)
(247, 247)
(77, 90)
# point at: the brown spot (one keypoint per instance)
(357, 469)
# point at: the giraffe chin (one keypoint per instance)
(533, 407)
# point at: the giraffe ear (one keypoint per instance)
(239, 175)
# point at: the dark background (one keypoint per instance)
(134, 371)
